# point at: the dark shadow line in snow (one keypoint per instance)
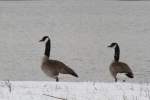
(54, 97)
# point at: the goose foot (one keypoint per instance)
(124, 81)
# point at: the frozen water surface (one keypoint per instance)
(80, 31)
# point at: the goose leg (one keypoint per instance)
(115, 79)
(115, 76)
(57, 79)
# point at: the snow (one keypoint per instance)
(80, 31)
(43, 90)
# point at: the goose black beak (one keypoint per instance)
(40, 40)
(109, 46)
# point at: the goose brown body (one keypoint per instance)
(120, 67)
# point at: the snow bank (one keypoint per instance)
(42, 90)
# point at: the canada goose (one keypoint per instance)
(119, 67)
(51, 67)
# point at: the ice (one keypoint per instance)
(80, 31)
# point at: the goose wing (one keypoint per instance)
(62, 68)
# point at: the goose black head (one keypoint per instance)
(44, 38)
(113, 45)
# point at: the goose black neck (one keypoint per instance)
(47, 48)
(117, 53)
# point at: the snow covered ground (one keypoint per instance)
(80, 31)
(30, 90)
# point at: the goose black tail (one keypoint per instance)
(68, 70)
(130, 75)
